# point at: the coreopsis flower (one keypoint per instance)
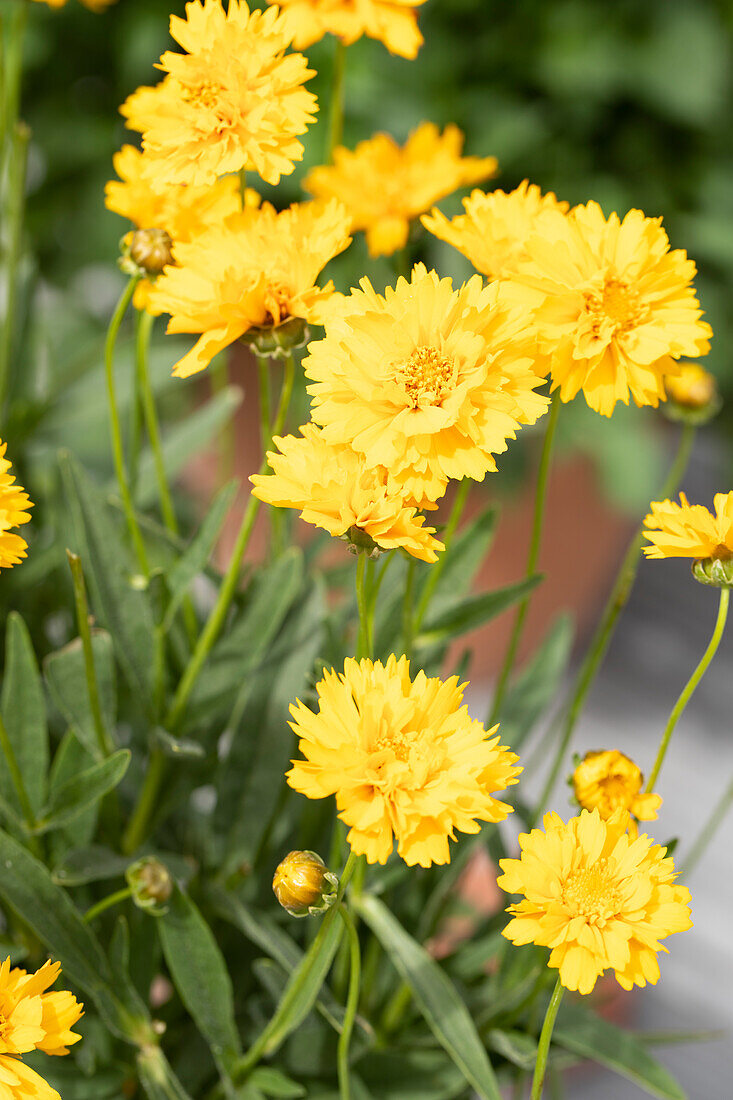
(233, 100)
(337, 490)
(403, 758)
(385, 186)
(303, 884)
(32, 1019)
(493, 232)
(598, 898)
(692, 395)
(392, 22)
(427, 381)
(14, 505)
(609, 781)
(257, 270)
(614, 307)
(687, 530)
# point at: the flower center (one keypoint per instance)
(401, 743)
(618, 304)
(722, 552)
(426, 377)
(617, 791)
(205, 94)
(591, 891)
(277, 302)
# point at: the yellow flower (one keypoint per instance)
(609, 781)
(393, 22)
(385, 185)
(687, 530)
(93, 5)
(403, 758)
(494, 230)
(32, 1019)
(256, 270)
(693, 387)
(336, 489)
(598, 898)
(234, 100)
(14, 505)
(427, 381)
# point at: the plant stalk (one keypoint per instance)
(436, 570)
(336, 120)
(107, 903)
(352, 1002)
(104, 740)
(545, 1037)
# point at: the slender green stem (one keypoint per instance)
(407, 615)
(436, 570)
(336, 120)
(145, 807)
(364, 643)
(690, 687)
(17, 778)
(219, 374)
(544, 1044)
(540, 500)
(243, 187)
(263, 374)
(117, 449)
(104, 740)
(136, 416)
(708, 831)
(107, 903)
(13, 218)
(352, 1002)
(395, 1009)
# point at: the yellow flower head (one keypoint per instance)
(494, 230)
(393, 22)
(336, 489)
(687, 530)
(403, 758)
(385, 185)
(258, 269)
(233, 100)
(693, 388)
(14, 505)
(614, 306)
(598, 898)
(32, 1019)
(609, 781)
(427, 381)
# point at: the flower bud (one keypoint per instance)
(303, 885)
(278, 341)
(360, 542)
(146, 252)
(716, 571)
(692, 395)
(151, 884)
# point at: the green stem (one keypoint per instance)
(117, 449)
(407, 616)
(540, 500)
(436, 570)
(17, 777)
(136, 417)
(708, 831)
(263, 374)
(544, 1044)
(364, 643)
(107, 903)
(104, 740)
(336, 120)
(395, 1009)
(690, 687)
(352, 1002)
(17, 159)
(219, 374)
(145, 807)
(243, 187)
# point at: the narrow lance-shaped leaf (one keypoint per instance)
(534, 689)
(82, 791)
(67, 684)
(157, 1077)
(474, 611)
(24, 715)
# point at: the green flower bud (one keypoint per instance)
(361, 543)
(692, 395)
(278, 341)
(151, 884)
(716, 572)
(145, 252)
(303, 884)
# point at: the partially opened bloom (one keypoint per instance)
(14, 505)
(404, 759)
(692, 394)
(393, 22)
(334, 488)
(233, 100)
(687, 530)
(427, 381)
(598, 898)
(609, 781)
(614, 307)
(256, 270)
(493, 231)
(385, 186)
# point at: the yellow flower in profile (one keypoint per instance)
(614, 307)
(392, 22)
(336, 489)
(384, 186)
(233, 100)
(494, 229)
(404, 759)
(609, 781)
(687, 530)
(598, 898)
(32, 1019)
(14, 505)
(427, 381)
(258, 269)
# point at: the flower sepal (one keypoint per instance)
(715, 572)
(303, 884)
(278, 341)
(360, 542)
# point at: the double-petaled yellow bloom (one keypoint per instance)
(334, 488)
(687, 530)
(427, 381)
(384, 186)
(404, 759)
(256, 270)
(14, 505)
(32, 1019)
(608, 781)
(392, 22)
(598, 898)
(614, 307)
(234, 100)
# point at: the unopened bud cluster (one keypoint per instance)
(145, 252)
(151, 884)
(303, 884)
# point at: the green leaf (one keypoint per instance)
(197, 554)
(463, 559)
(411, 1074)
(274, 1083)
(157, 1077)
(515, 1046)
(67, 684)
(82, 791)
(201, 977)
(435, 995)
(537, 684)
(582, 1032)
(92, 864)
(178, 748)
(474, 611)
(24, 714)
